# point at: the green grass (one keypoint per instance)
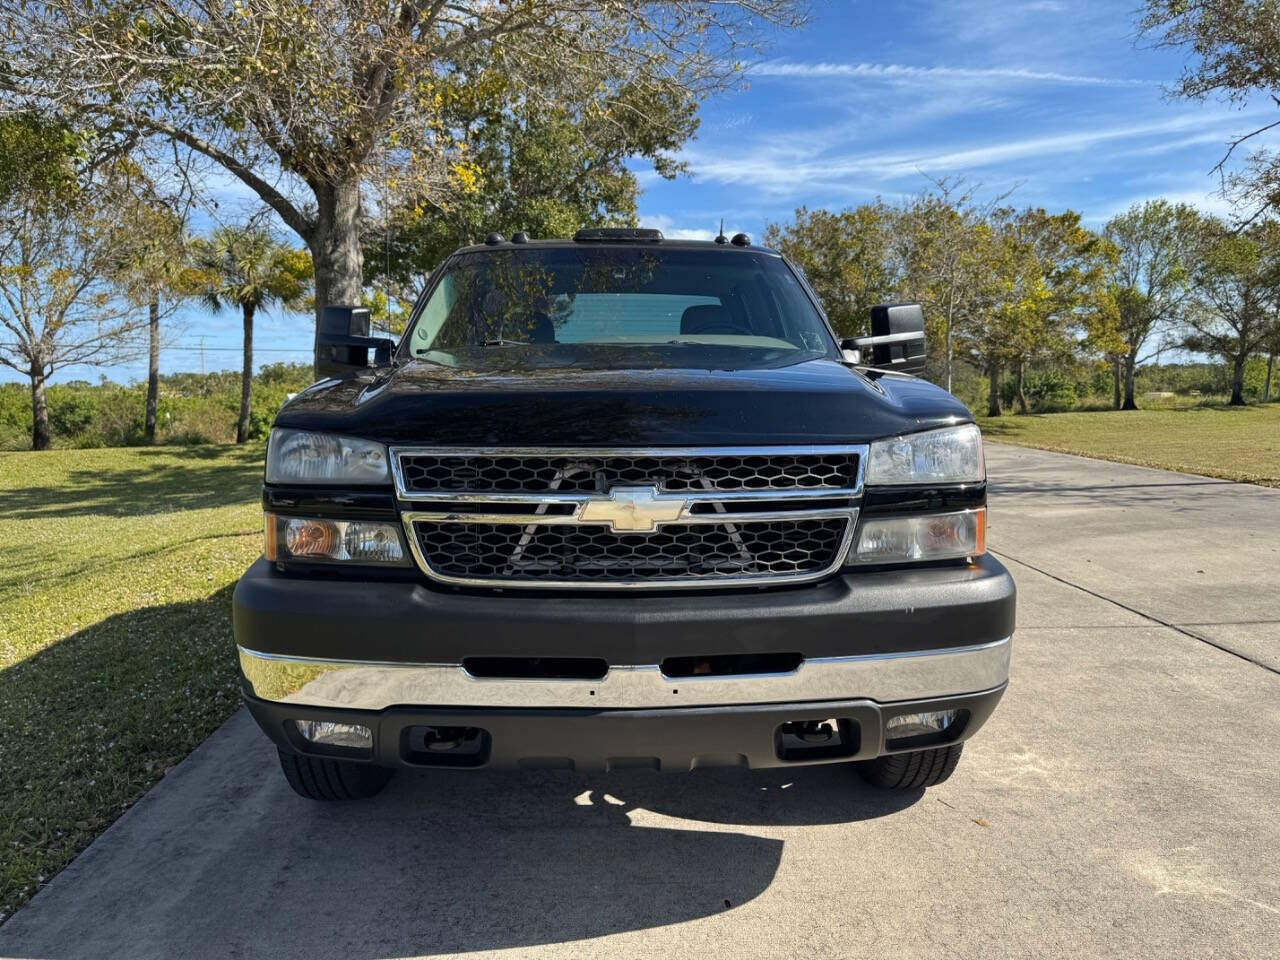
(115, 640)
(1234, 443)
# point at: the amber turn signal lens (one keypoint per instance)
(270, 544)
(311, 538)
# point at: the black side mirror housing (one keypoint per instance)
(897, 339)
(343, 343)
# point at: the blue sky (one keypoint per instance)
(1049, 99)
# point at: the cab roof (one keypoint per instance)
(616, 237)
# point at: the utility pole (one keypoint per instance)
(202, 356)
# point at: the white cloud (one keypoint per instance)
(670, 229)
(790, 166)
(898, 71)
(1206, 201)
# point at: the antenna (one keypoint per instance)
(720, 237)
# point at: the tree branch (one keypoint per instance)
(276, 200)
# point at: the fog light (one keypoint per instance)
(919, 724)
(350, 735)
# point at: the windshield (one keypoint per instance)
(623, 306)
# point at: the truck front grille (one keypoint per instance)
(591, 552)
(596, 473)
(629, 518)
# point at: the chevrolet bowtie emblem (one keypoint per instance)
(633, 509)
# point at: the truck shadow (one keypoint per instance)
(221, 859)
(446, 863)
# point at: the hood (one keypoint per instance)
(818, 401)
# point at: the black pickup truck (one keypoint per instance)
(620, 501)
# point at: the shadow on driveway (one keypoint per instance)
(223, 860)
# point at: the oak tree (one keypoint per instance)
(1151, 280)
(304, 103)
(1236, 310)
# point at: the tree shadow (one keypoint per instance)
(90, 722)
(213, 476)
(1000, 427)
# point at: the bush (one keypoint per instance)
(192, 408)
(15, 408)
(72, 409)
(196, 420)
(1050, 392)
(121, 419)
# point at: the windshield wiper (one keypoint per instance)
(506, 343)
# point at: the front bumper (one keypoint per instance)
(388, 655)
(384, 621)
(679, 739)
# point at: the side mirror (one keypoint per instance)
(343, 342)
(896, 342)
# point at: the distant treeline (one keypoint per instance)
(1089, 386)
(192, 408)
(1041, 304)
(204, 407)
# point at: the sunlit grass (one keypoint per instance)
(1234, 443)
(115, 643)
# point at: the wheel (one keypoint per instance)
(318, 778)
(911, 771)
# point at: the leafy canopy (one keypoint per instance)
(246, 267)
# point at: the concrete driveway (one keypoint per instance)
(1123, 802)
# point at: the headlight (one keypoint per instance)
(950, 455)
(300, 456)
(937, 536)
(352, 541)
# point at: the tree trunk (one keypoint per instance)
(335, 246)
(1115, 377)
(39, 409)
(1021, 379)
(993, 396)
(1130, 362)
(1237, 381)
(153, 368)
(246, 376)
(950, 349)
(1266, 387)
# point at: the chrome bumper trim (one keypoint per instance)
(353, 684)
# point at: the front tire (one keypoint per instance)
(319, 778)
(911, 771)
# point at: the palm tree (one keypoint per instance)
(246, 267)
(153, 264)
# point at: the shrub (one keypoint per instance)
(121, 416)
(196, 420)
(72, 409)
(1050, 392)
(15, 407)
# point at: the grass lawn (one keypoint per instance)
(1235, 443)
(115, 640)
